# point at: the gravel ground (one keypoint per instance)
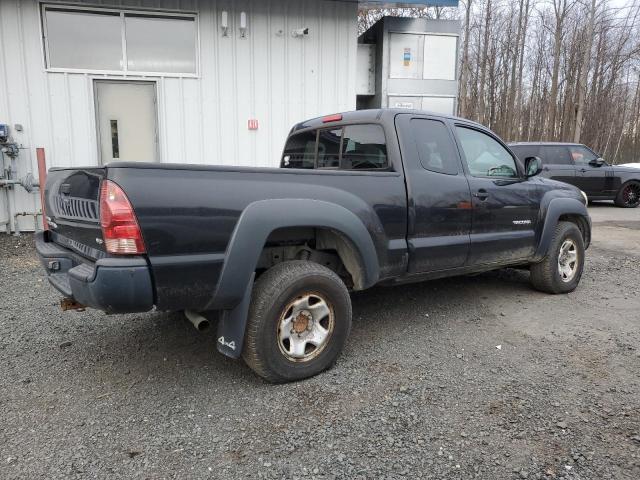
(473, 377)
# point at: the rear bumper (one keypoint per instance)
(114, 285)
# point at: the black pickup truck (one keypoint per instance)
(361, 198)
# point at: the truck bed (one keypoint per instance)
(188, 213)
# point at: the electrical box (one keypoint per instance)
(415, 64)
(4, 133)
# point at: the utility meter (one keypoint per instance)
(4, 133)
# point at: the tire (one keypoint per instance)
(629, 195)
(549, 275)
(297, 291)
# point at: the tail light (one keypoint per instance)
(120, 227)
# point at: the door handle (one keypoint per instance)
(481, 194)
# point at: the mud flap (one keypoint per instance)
(233, 323)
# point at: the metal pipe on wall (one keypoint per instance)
(42, 181)
(29, 184)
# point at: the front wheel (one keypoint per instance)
(629, 195)
(299, 320)
(561, 269)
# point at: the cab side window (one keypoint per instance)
(485, 156)
(435, 147)
(300, 151)
(350, 147)
(581, 155)
(364, 147)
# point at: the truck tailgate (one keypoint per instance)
(73, 210)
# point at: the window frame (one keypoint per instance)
(465, 163)
(122, 12)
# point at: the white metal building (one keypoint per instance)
(218, 82)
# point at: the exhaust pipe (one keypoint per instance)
(198, 321)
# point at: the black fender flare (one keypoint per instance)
(555, 209)
(259, 219)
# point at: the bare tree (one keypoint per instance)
(561, 70)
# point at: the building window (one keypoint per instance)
(160, 44)
(119, 41)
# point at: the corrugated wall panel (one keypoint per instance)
(268, 75)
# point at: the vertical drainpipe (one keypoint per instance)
(42, 180)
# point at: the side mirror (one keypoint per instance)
(598, 162)
(532, 166)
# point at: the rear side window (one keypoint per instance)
(364, 147)
(300, 151)
(555, 155)
(435, 147)
(351, 147)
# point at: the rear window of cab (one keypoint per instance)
(346, 147)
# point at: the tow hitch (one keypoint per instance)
(71, 304)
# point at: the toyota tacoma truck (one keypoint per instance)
(360, 199)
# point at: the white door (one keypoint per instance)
(127, 121)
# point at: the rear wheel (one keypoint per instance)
(299, 320)
(629, 195)
(561, 269)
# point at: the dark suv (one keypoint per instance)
(580, 166)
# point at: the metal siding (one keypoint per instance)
(276, 79)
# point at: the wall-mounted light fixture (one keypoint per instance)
(243, 24)
(224, 23)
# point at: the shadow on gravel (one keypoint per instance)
(467, 290)
(164, 351)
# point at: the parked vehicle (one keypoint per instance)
(578, 165)
(362, 198)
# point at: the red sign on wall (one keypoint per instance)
(253, 124)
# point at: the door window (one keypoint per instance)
(485, 156)
(555, 155)
(581, 155)
(435, 147)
